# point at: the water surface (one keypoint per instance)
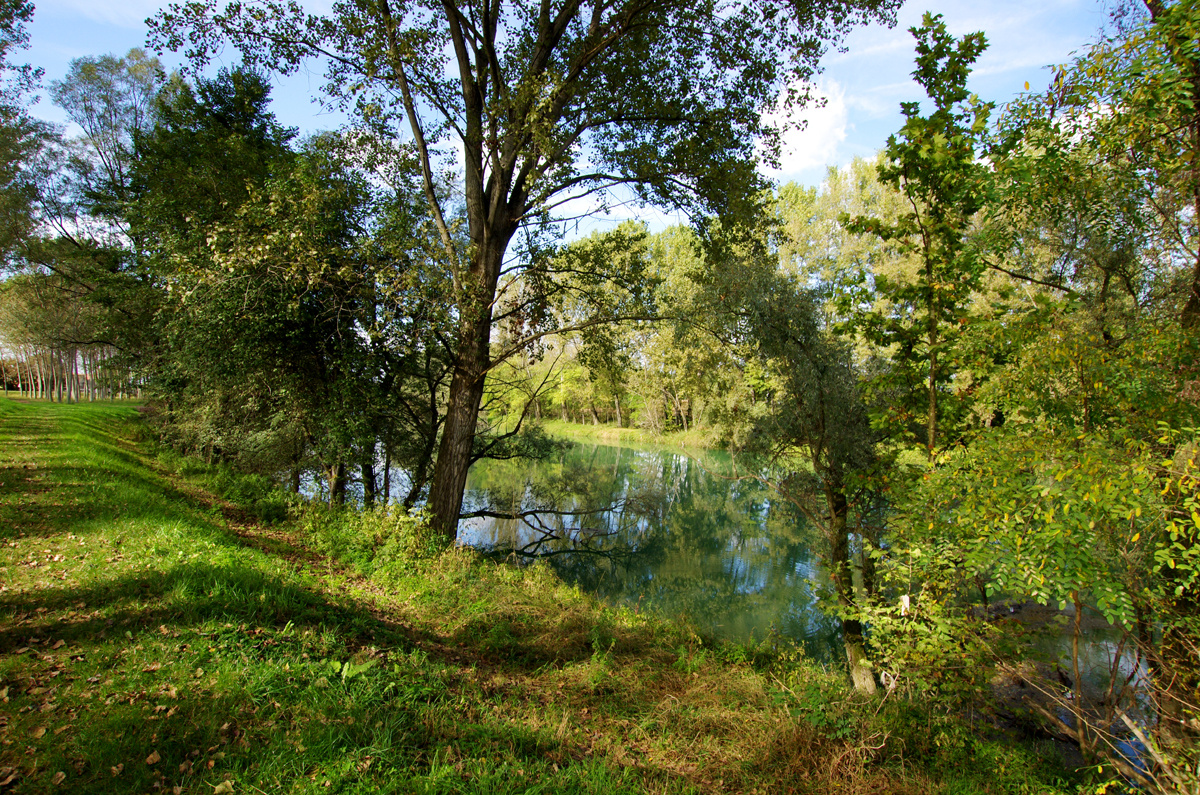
(661, 530)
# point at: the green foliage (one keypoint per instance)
(534, 93)
(933, 162)
(928, 645)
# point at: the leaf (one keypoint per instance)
(224, 788)
(59, 778)
(154, 758)
(59, 644)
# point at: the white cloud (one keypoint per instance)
(817, 142)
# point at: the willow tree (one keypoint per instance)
(533, 106)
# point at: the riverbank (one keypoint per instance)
(607, 433)
(155, 635)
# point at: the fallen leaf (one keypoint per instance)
(176, 790)
(61, 729)
(153, 759)
(59, 778)
(59, 644)
(117, 769)
(224, 788)
(38, 733)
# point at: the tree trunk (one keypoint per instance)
(620, 419)
(930, 306)
(842, 574)
(368, 479)
(337, 484)
(387, 473)
(472, 358)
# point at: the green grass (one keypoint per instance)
(154, 637)
(696, 439)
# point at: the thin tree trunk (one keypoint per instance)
(387, 473)
(842, 574)
(368, 479)
(930, 305)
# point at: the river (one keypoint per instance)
(658, 529)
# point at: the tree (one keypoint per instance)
(549, 103)
(816, 441)
(933, 163)
(112, 100)
(21, 137)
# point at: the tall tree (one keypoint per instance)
(546, 103)
(112, 101)
(21, 136)
(933, 162)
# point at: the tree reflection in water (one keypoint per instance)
(655, 529)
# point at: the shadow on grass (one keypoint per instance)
(182, 596)
(89, 469)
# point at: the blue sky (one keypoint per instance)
(864, 85)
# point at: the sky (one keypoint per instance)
(863, 86)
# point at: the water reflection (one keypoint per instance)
(661, 531)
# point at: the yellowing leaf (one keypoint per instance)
(38, 733)
(224, 788)
(154, 758)
(1136, 536)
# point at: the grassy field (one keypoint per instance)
(155, 637)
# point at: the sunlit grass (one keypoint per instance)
(156, 638)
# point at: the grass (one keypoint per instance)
(606, 433)
(156, 637)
